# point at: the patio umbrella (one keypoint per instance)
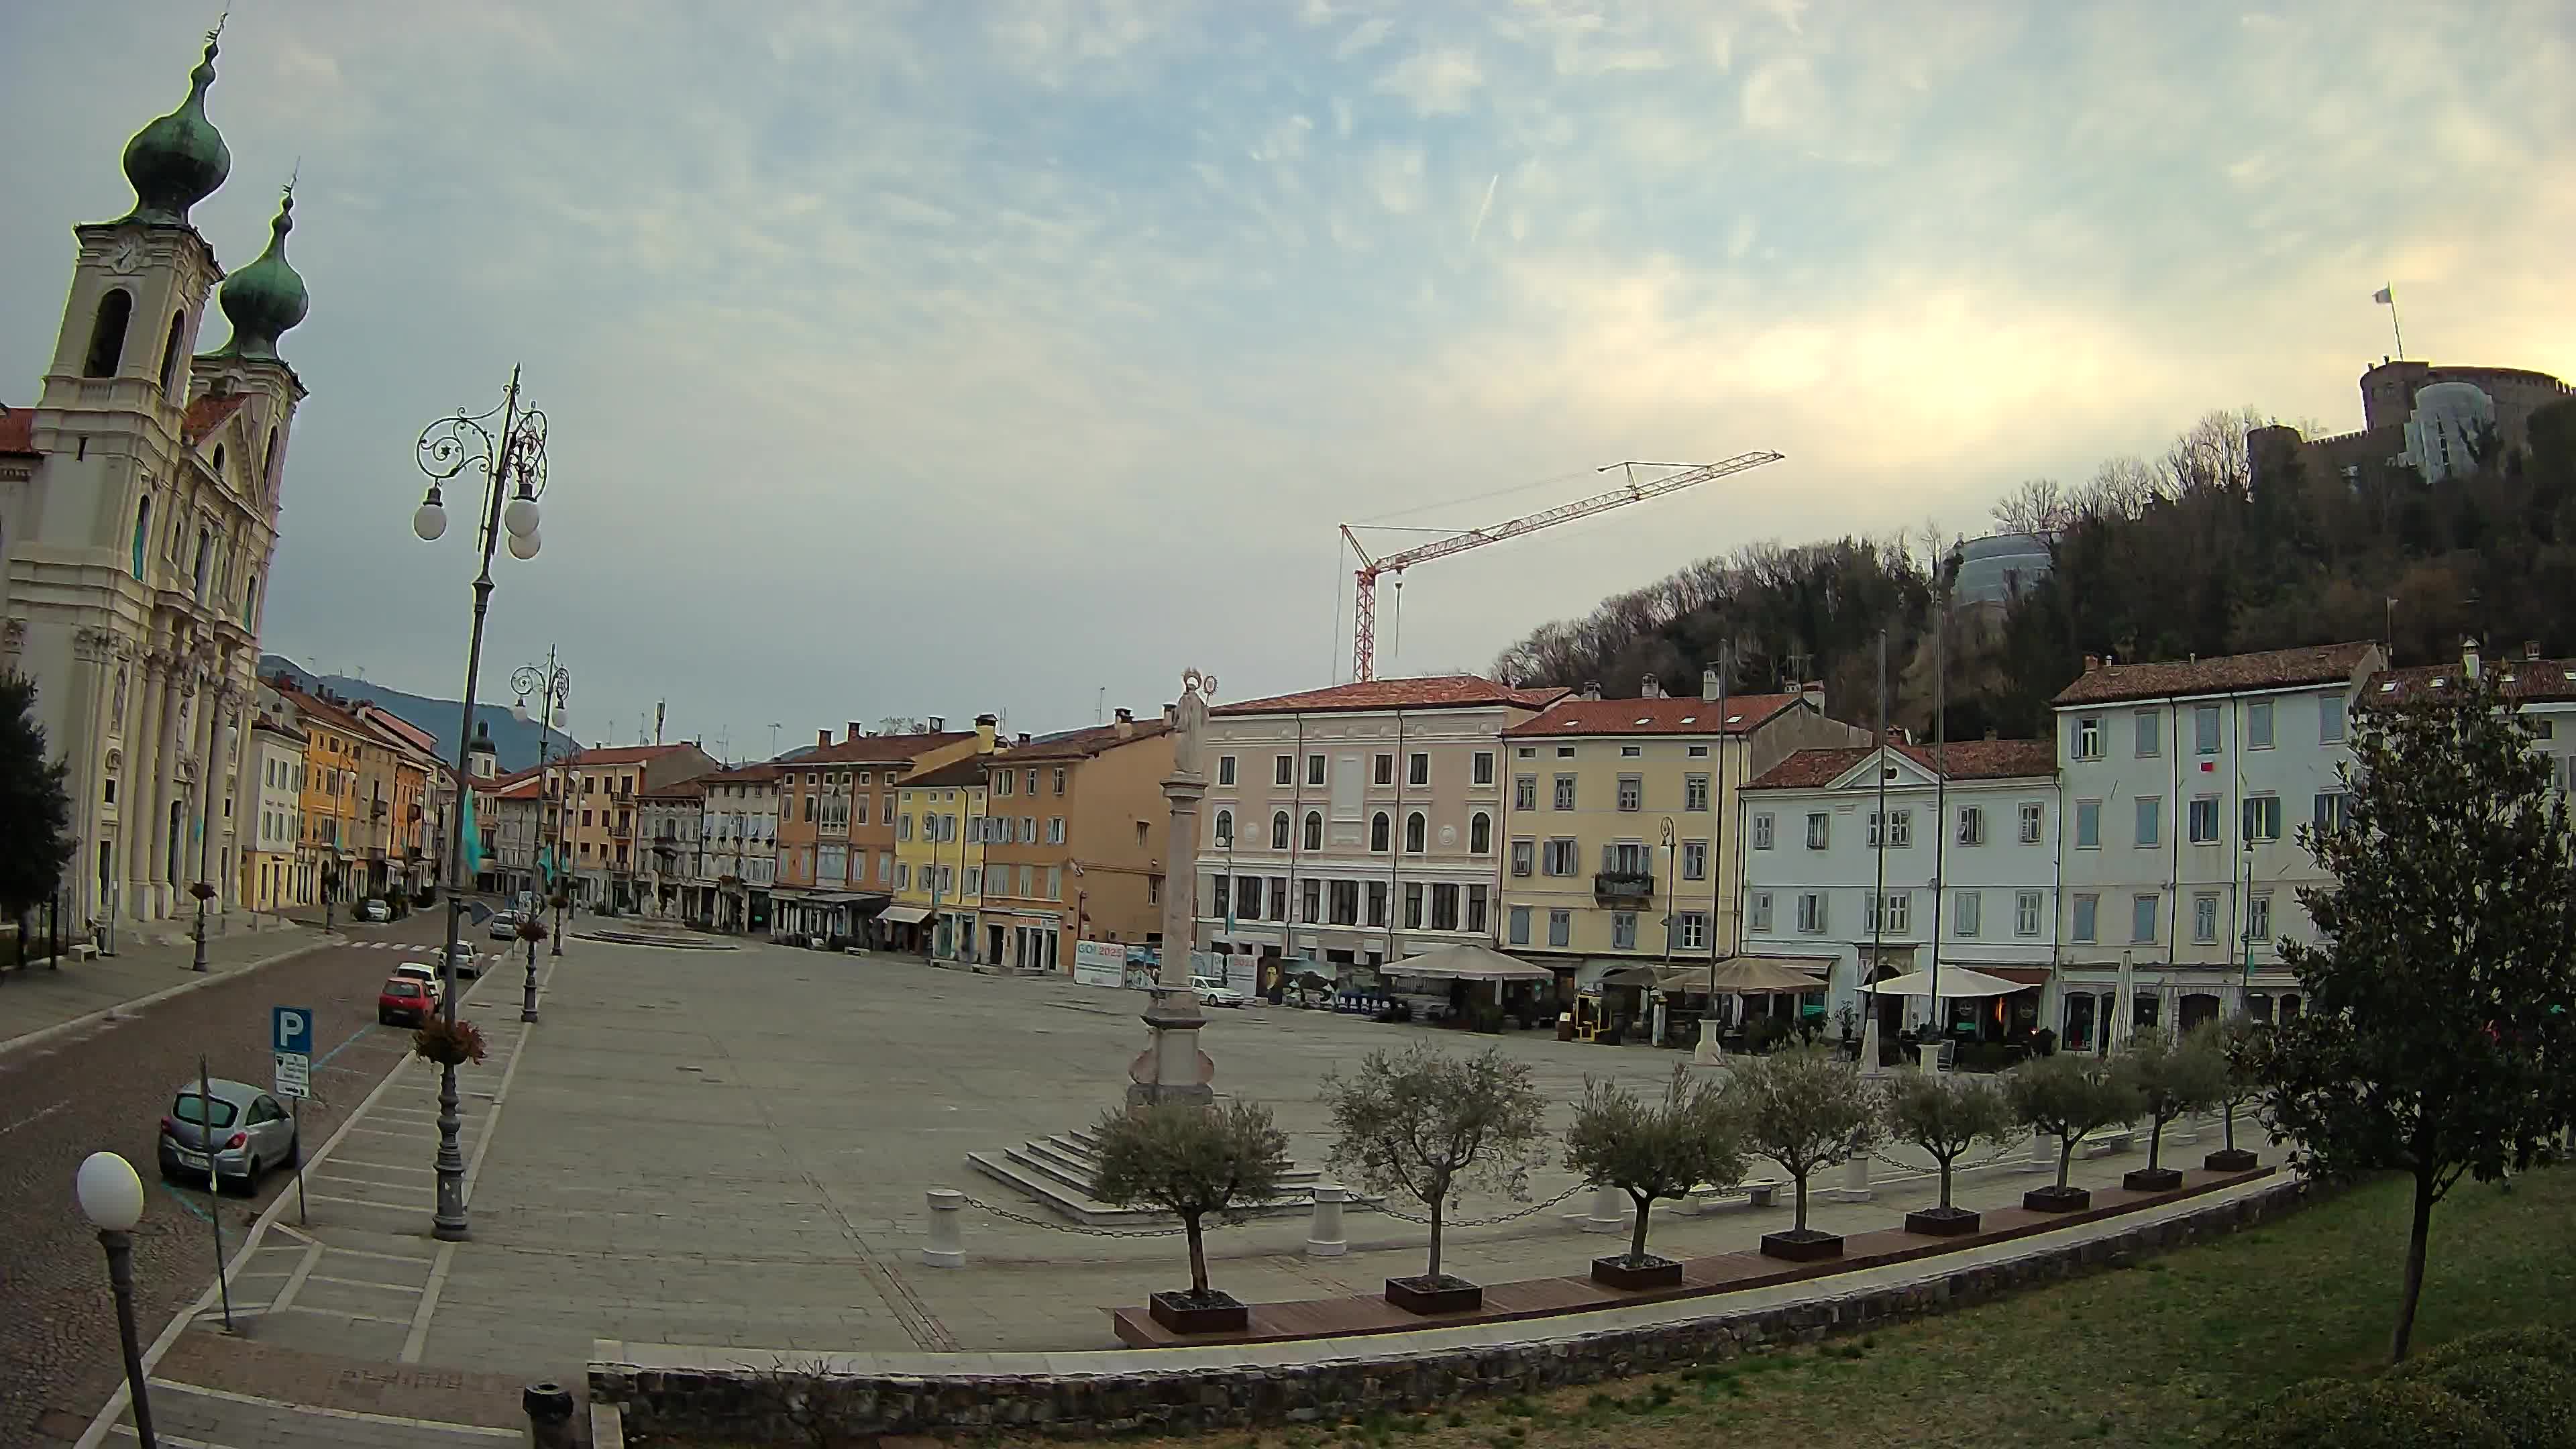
(1955, 981)
(1756, 976)
(1467, 962)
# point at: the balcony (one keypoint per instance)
(621, 832)
(1623, 887)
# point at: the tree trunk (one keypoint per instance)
(2065, 1157)
(2155, 1144)
(1198, 1255)
(1801, 1225)
(1434, 1270)
(2414, 1289)
(1945, 1182)
(1637, 1240)
(2227, 1123)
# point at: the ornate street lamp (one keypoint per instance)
(513, 463)
(554, 684)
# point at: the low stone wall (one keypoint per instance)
(785, 1398)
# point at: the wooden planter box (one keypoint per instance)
(2056, 1200)
(1443, 1294)
(1952, 1222)
(1218, 1312)
(1616, 1271)
(2151, 1179)
(2231, 1159)
(1810, 1245)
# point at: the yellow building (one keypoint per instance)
(1616, 822)
(939, 859)
(335, 745)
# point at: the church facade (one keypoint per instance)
(138, 521)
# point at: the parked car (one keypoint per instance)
(422, 972)
(505, 926)
(405, 1001)
(374, 909)
(1213, 992)
(468, 964)
(229, 1135)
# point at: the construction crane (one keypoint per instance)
(1364, 608)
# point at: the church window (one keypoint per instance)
(142, 532)
(107, 334)
(219, 460)
(268, 463)
(205, 558)
(170, 354)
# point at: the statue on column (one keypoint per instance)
(1189, 720)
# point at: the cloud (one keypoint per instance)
(1438, 82)
(1395, 177)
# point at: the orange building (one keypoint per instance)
(836, 809)
(1074, 844)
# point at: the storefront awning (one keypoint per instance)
(2026, 975)
(904, 915)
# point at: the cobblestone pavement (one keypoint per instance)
(105, 1085)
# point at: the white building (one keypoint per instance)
(738, 846)
(2184, 786)
(279, 869)
(1964, 873)
(138, 516)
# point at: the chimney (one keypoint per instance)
(1126, 724)
(1814, 692)
(938, 724)
(855, 731)
(1591, 689)
(2531, 649)
(1024, 737)
(1708, 685)
(1650, 688)
(2092, 663)
(1171, 714)
(823, 739)
(2469, 656)
(985, 727)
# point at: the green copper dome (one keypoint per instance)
(265, 298)
(180, 159)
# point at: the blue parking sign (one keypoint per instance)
(291, 1030)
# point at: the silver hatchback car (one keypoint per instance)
(231, 1135)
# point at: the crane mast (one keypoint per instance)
(1364, 607)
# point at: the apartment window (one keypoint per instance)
(2087, 923)
(1525, 752)
(1694, 860)
(1525, 792)
(2026, 913)
(1314, 769)
(1695, 792)
(1812, 914)
(2262, 817)
(1381, 832)
(1284, 771)
(1484, 768)
(1059, 779)
(1762, 832)
(1972, 825)
(1005, 782)
(1279, 830)
(1225, 769)
(1632, 792)
(1967, 912)
(1345, 904)
(1480, 834)
(2333, 809)
(1029, 881)
(2088, 737)
(1560, 928)
(1247, 897)
(585, 819)
(2258, 918)
(809, 809)
(1377, 903)
(2330, 721)
(2142, 918)
(1031, 782)
(1314, 830)
(1623, 930)
(2151, 734)
(2258, 725)
(1311, 901)
(1890, 914)
(1820, 830)
(1632, 752)
(1565, 752)
(1153, 890)
(1055, 883)
(2204, 729)
(1413, 905)
(1476, 909)
(1565, 792)
(2204, 820)
(1517, 929)
(2088, 824)
(1899, 828)
(1416, 828)
(975, 880)
(2204, 917)
(1559, 859)
(1224, 829)
(1524, 856)
(1055, 830)
(1382, 769)
(1417, 769)
(2033, 814)
(902, 873)
(2151, 820)
(1758, 907)
(1444, 907)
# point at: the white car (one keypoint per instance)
(422, 972)
(1212, 992)
(372, 909)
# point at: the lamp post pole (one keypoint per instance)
(111, 1197)
(555, 683)
(517, 454)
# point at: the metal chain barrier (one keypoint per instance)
(1933, 1169)
(1075, 1228)
(1446, 1223)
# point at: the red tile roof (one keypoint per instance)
(759, 774)
(2525, 680)
(17, 430)
(208, 413)
(624, 754)
(1083, 744)
(876, 749)
(1967, 760)
(968, 771)
(690, 789)
(1440, 691)
(2222, 674)
(1744, 712)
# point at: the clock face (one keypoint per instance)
(127, 256)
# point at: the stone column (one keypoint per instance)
(176, 691)
(1172, 1068)
(139, 785)
(223, 815)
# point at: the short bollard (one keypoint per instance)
(1609, 1211)
(1855, 1186)
(549, 1407)
(1324, 1237)
(2042, 1158)
(2184, 1131)
(947, 1249)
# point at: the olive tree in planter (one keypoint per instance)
(1806, 1110)
(2240, 1042)
(1430, 1126)
(1651, 1151)
(2071, 1098)
(2170, 1076)
(1945, 1114)
(1192, 1161)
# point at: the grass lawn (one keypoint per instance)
(2164, 1353)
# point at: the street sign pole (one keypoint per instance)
(290, 1039)
(214, 1183)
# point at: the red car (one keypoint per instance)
(403, 1000)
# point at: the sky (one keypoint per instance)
(1013, 355)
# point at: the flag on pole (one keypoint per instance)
(2385, 296)
(473, 842)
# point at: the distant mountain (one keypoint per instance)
(514, 743)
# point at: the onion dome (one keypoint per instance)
(266, 298)
(178, 160)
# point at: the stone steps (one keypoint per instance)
(1057, 1173)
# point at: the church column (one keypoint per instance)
(196, 855)
(222, 874)
(170, 675)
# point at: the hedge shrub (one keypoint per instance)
(2527, 1340)
(2531, 1401)
(2389, 1413)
